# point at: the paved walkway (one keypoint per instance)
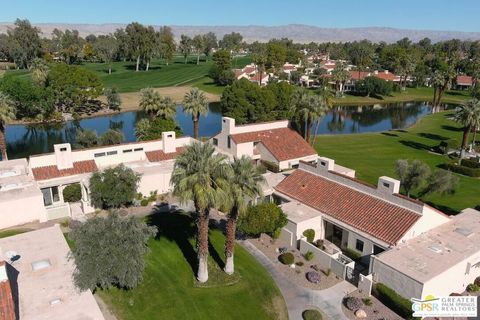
(297, 298)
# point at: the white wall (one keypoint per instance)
(20, 210)
(292, 162)
(314, 223)
(429, 220)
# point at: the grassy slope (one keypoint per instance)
(12, 232)
(374, 154)
(168, 291)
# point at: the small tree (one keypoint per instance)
(111, 137)
(113, 98)
(72, 192)
(373, 86)
(119, 260)
(114, 187)
(147, 129)
(309, 234)
(441, 181)
(86, 138)
(262, 218)
(412, 175)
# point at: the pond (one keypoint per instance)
(24, 140)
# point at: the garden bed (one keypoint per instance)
(376, 310)
(297, 274)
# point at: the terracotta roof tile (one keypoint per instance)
(7, 306)
(464, 80)
(283, 143)
(359, 75)
(50, 172)
(387, 76)
(381, 219)
(159, 155)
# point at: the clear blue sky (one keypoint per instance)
(458, 15)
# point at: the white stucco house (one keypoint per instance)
(273, 143)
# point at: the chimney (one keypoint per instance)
(228, 125)
(63, 156)
(388, 185)
(325, 165)
(7, 305)
(168, 142)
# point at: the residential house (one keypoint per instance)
(36, 279)
(463, 82)
(272, 143)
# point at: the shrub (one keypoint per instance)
(472, 287)
(319, 244)
(352, 303)
(276, 234)
(352, 254)
(286, 258)
(308, 255)
(270, 166)
(466, 171)
(299, 263)
(262, 218)
(394, 301)
(86, 138)
(309, 234)
(111, 137)
(367, 301)
(144, 202)
(470, 163)
(311, 315)
(153, 196)
(313, 277)
(477, 281)
(448, 145)
(72, 193)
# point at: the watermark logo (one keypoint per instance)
(464, 306)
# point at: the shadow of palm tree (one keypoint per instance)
(415, 145)
(432, 136)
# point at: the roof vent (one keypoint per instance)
(435, 248)
(41, 264)
(464, 232)
(55, 301)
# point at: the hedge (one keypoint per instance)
(400, 305)
(470, 163)
(460, 169)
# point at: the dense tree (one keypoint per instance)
(231, 42)
(185, 46)
(23, 43)
(412, 175)
(119, 260)
(151, 129)
(221, 71)
(361, 54)
(150, 47)
(198, 43)
(374, 86)
(262, 218)
(111, 137)
(211, 44)
(123, 44)
(195, 103)
(276, 56)
(468, 115)
(86, 138)
(166, 42)
(114, 187)
(113, 98)
(245, 185)
(7, 114)
(68, 43)
(136, 37)
(106, 48)
(202, 176)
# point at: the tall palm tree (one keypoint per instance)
(469, 116)
(195, 103)
(309, 108)
(203, 177)
(167, 108)
(340, 75)
(157, 106)
(7, 113)
(245, 184)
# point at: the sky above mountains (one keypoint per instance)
(455, 15)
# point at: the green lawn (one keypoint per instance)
(169, 290)
(410, 94)
(374, 154)
(12, 232)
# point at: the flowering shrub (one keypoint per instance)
(353, 303)
(313, 277)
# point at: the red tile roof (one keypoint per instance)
(464, 80)
(256, 77)
(7, 306)
(159, 155)
(358, 75)
(387, 76)
(381, 219)
(283, 143)
(249, 70)
(50, 172)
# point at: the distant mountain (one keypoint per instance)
(297, 32)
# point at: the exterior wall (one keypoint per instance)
(365, 284)
(287, 238)
(314, 223)
(266, 155)
(399, 282)
(429, 220)
(20, 210)
(292, 228)
(242, 149)
(292, 162)
(367, 245)
(321, 257)
(155, 181)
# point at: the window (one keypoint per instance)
(127, 150)
(229, 143)
(63, 149)
(111, 153)
(377, 250)
(50, 195)
(359, 245)
(386, 185)
(100, 154)
(215, 141)
(138, 149)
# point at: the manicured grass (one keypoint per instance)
(206, 84)
(169, 289)
(410, 94)
(12, 232)
(374, 154)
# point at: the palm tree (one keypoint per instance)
(203, 177)
(245, 184)
(39, 70)
(309, 108)
(7, 113)
(141, 129)
(340, 75)
(167, 108)
(469, 116)
(195, 103)
(153, 103)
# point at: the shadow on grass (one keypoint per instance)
(451, 128)
(432, 136)
(132, 67)
(415, 145)
(389, 134)
(444, 209)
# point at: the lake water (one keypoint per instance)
(24, 140)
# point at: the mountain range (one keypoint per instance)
(297, 32)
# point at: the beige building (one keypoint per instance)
(36, 279)
(272, 143)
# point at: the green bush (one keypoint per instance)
(144, 202)
(311, 315)
(367, 301)
(286, 258)
(308, 255)
(270, 166)
(466, 171)
(352, 254)
(72, 193)
(262, 218)
(472, 287)
(299, 263)
(394, 301)
(447, 145)
(470, 163)
(309, 234)
(276, 234)
(477, 281)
